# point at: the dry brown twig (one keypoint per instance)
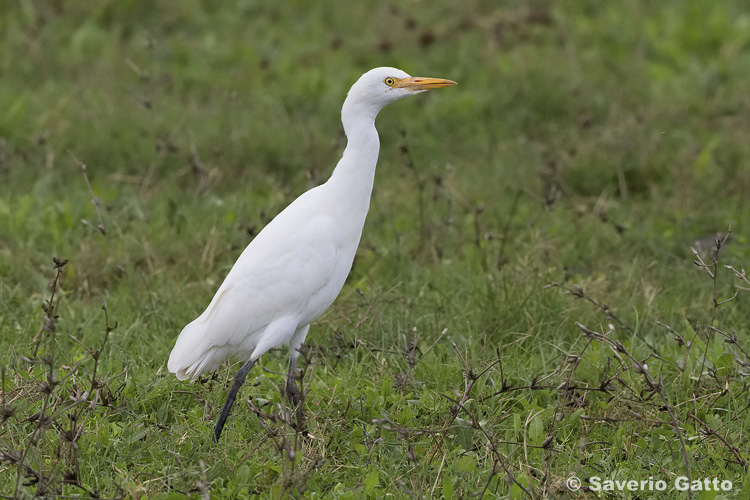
(94, 199)
(711, 432)
(470, 380)
(577, 292)
(54, 407)
(641, 368)
(49, 325)
(712, 270)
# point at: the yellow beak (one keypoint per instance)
(420, 83)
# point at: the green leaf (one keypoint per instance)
(515, 491)
(138, 435)
(575, 417)
(448, 487)
(464, 433)
(708, 495)
(371, 482)
(243, 475)
(536, 430)
(467, 463)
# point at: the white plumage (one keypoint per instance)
(296, 266)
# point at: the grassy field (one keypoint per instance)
(525, 307)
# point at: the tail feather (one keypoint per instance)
(222, 331)
(193, 355)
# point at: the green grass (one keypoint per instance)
(588, 143)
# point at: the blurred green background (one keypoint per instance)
(588, 143)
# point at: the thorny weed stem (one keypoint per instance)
(713, 272)
(94, 199)
(49, 325)
(78, 413)
(578, 293)
(655, 386)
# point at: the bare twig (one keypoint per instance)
(713, 272)
(578, 293)
(49, 325)
(656, 387)
(711, 432)
(94, 199)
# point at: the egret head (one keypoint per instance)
(382, 86)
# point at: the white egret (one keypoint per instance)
(296, 266)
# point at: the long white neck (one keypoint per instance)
(353, 177)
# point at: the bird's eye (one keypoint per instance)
(389, 81)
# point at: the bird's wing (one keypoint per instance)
(279, 282)
(276, 278)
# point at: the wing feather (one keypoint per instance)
(279, 275)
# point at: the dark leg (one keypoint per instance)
(239, 379)
(293, 392)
